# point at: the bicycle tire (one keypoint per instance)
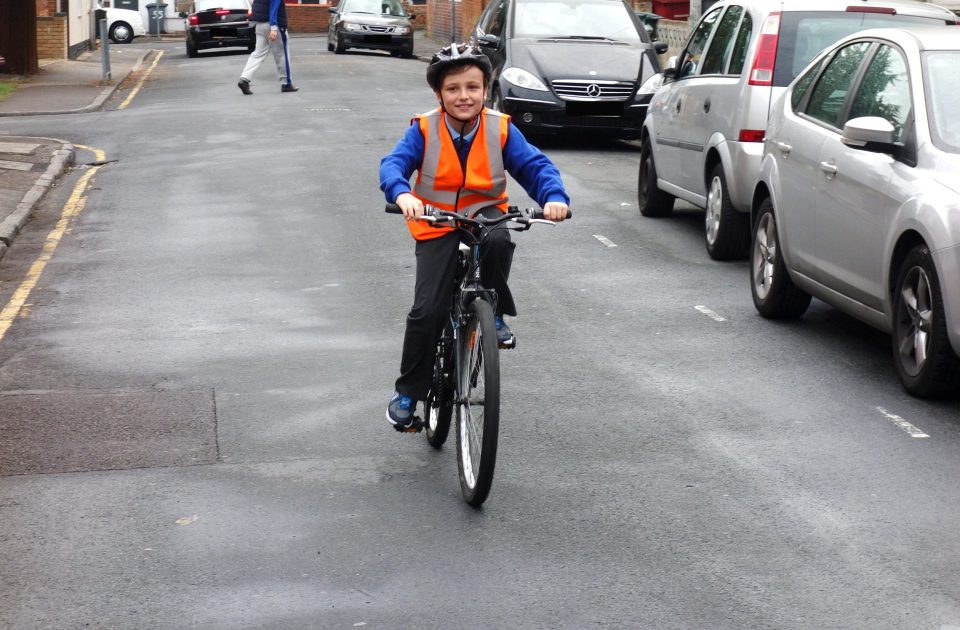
(478, 380)
(438, 408)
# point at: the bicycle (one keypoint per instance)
(466, 372)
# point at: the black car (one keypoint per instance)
(580, 65)
(219, 24)
(371, 24)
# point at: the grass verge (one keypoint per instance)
(6, 89)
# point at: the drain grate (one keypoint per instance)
(328, 109)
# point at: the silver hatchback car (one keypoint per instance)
(703, 135)
(858, 201)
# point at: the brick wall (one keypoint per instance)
(439, 19)
(308, 18)
(315, 18)
(52, 37)
(46, 8)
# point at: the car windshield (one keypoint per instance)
(206, 5)
(803, 34)
(943, 98)
(378, 7)
(606, 19)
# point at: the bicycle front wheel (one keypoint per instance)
(478, 403)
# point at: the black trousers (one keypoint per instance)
(436, 265)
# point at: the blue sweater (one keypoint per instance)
(526, 163)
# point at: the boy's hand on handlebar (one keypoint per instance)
(411, 206)
(555, 211)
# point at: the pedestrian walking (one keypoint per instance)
(270, 20)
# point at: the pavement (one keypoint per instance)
(30, 166)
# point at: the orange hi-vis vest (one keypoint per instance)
(441, 177)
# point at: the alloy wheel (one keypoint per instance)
(915, 321)
(714, 206)
(764, 255)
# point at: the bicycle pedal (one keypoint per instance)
(415, 427)
(510, 345)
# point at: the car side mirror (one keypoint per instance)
(670, 71)
(411, 16)
(333, 10)
(660, 47)
(488, 41)
(183, 14)
(870, 133)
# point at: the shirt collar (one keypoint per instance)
(455, 129)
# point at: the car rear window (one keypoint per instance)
(574, 18)
(803, 34)
(206, 5)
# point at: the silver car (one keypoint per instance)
(858, 201)
(703, 135)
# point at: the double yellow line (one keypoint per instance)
(71, 210)
(142, 80)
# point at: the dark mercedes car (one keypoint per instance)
(580, 65)
(371, 24)
(219, 24)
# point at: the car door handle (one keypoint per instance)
(784, 147)
(706, 106)
(678, 105)
(829, 168)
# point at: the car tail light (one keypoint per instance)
(863, 9)
(222, 12)
(763, 61)
(249, 14)
(752, 135)
(194, 20)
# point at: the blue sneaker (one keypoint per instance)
(400, 413)
(505, 338)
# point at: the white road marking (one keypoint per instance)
(711, 314)
(911, 430)
(603, 239)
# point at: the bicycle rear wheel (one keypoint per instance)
(439, 404)
(478, 403)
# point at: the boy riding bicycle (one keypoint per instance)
(462, 151)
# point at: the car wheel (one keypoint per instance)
(329, 44)
(653, 202)
(407, 53)
(774, 294)
(727, 231)
(339, 48)
(191, 50)
(925, 362)
(121, 33)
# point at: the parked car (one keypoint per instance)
(219, 24)
(371, 24)
(578, 65)
(703, 137)
(858, 201)
(122, 24)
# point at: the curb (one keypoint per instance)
(105, 93)
(11, 226)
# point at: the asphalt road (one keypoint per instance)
(192, 401)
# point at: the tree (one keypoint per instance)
(18, 36)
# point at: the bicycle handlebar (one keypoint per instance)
(524, 217)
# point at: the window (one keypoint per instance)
(830, 94)
(884, 91)
(574, 18)
(943, 97)
(495, 18)
(739, 56)
(803, 84)
(715, 61)
(803, 34)
(691, 56)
